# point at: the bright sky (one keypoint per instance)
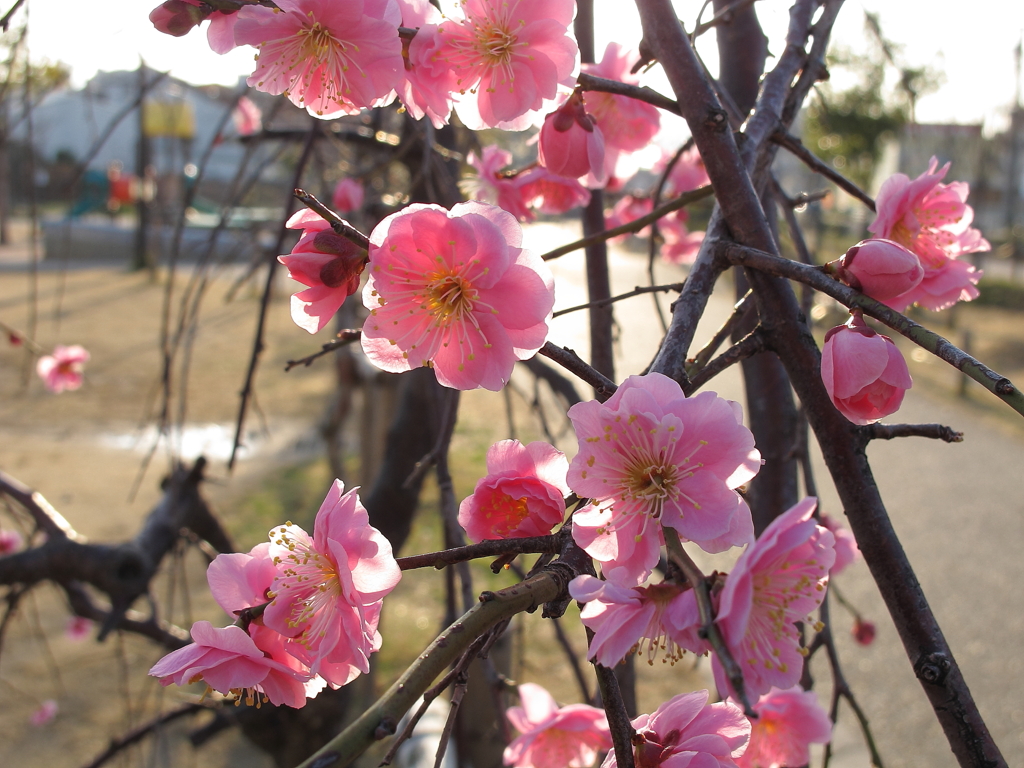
(971, 43)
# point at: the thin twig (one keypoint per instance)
(458, 692)
(699, 582)
(344, 338)
(797, 236)
(490, 548)
(739, 313)
(751, 344)
(565, 357)
(797, 149)
(933, 431)
(338, 224)
(588, 82)
(570, 655)
(637, 291)
(138, 734)
(634, 226)
(995, 383)
(615, 709)
(724, 16)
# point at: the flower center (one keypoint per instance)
(318, 41)
(310, 581)
(495, 44)
(450, 297)
(507, 513)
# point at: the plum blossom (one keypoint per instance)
(880, 269)
(330, 586)
(426, 90)
(847, 550)
(788, 722)
(864, 631)
(628, 125)
(10, 541)
(687, 731)
(63, 369)
(651, 455)
(523, 493)
(664, 615)
(44, 714)
(494, 185)
(550, 193)
(933, 220)
(326, 262)
(553, 736)
(680, 245)
(454, 290)
(331, 58)
(78, 628)
(571, 143)
(688, 172)
(247, 117)
(348, 195)
(864, 372)
(627, 210)
(777, 581)
(178, 17)
(229, 662)
(509, 57)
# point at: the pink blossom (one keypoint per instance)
(426, 90)
(680, 245)
(777, 581)
(864, 372)
(326, 262)
(63, 369)
(523, 493)
(509, 56)
(665, 615)
(627, 210)
(496, 186)
(570, 142)
(932, 220)
(177, 17)
(330, 587)
(846, 545)
(228, 661)
(687, 731)
(78, 628)
(10, 541)
(687, 174)
(44, 714)
(553, 736)
(348, 195)
(331, 58)
(221, 32)
(788, 722)
(550, 193)
(880, 269)
(454, 290)
(864, 631)
(628, 124)
(247, 117)
(654, 456)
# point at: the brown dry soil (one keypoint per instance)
(53, 443)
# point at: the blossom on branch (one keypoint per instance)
(454, 290)
(553, 736)
(523, 493)
(326, 262)
(687, 731)
(348, 195)
(864, 372)
(788, 722)
(330, 586)
(495, 185)
(571, 143)
(776, 583)
(664, 615)
(550, 193)
(425, 90)
(651, 456)
(509, 57)
(881, 269)
(64, 368)
(331, 58)
(932, 220)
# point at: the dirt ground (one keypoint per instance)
(83, 451)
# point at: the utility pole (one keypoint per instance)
(1013, 174)
(142, 161)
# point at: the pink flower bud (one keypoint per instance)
(348, 196)
(864, 631)
(880, 269)
(571, 144)
(864, 372)
(177, 17)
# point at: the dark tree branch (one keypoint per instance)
(136, 735)
(890, 431)
(739, 310)
(338, 224)
(489, 548)
(565, 357)
(344, 338)
(641, 93)
(796, 147)
(639, 290)
(750, 345)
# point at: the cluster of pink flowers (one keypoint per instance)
(320, 597)
(650, 456)
(788, 722)
(933, 220)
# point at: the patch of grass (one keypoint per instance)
(289, 494)
(1005, 294)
